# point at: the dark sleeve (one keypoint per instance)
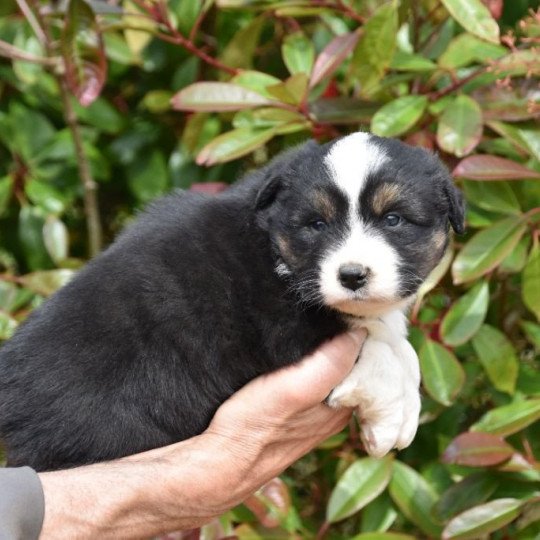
(22, 505)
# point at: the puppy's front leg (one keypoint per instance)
(383, 385)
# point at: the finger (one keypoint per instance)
(308, 383)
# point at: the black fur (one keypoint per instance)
(145, 343)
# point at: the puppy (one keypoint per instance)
(203, 293)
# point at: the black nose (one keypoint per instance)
(353, 276)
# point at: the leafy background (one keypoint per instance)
(107, 105)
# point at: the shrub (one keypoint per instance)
(117, 105)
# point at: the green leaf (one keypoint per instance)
(292, 91)
(31, 221)
(46, 282)
(342, 110)
(84, 52)
(404, 61)
(466, 48)
(30, 131)
(474, 17)
(256, 81)
(498, 358)
(379, 514)
(234, 144)
(477, 450)
(466, 315)
(532, 331)
(470, 491)
(382, 536)
(266, 117)
(509, 419)
(486, 249)
(460, 126)
(361, 483)
(240, 51)
(483, 519)
(8, 325)
(492, 196)
(531, 282)
(55, 238)
(28, 72)
(139, 28)
(217, 96)
(375, 49)
(148, 176)
(415, 498)
(6, 187)
(298, 53)
(442, 374)
(398, 116)
(45, 196)
(157, 101)
(102, 115)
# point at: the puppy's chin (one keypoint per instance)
(371, 307)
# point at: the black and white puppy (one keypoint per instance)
(203, 293)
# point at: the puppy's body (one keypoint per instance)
(202, 294)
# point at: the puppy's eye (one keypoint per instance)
(318, 225)
(392, 220)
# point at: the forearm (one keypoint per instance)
(140, 496)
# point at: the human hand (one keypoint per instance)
(254, 436)
(277, 418)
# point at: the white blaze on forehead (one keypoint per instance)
(350, 161)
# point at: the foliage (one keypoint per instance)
(93, 98)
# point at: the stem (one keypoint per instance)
(179, 39)
(434, 96)
(9, 51)
(33, 21)
(323, 530)
(339, 5)
(91, 208)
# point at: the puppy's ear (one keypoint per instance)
(267, 194)
(456, 207)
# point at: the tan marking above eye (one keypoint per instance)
(323, 203)
(385, 195)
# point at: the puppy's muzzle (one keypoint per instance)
(353, 276)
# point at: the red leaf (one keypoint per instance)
(495, 7)
(270, 503)
(484, 167)
(83, 52)
(211, 188)
(477, 450)
(422, 138)
(332, 56)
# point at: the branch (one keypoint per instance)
(9, 51)
(91, 207)
(179, 39)
(33, 21)
(434, 96)
(339, 5)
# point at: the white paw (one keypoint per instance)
(383, 385)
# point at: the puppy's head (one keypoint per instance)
(357, 224)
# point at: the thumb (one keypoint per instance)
(308, 383)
